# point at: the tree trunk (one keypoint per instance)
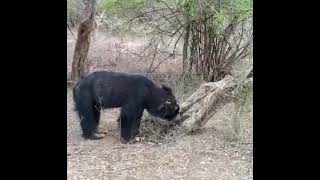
(185, 47)
(79, 64)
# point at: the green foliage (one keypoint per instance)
(120, 7)
(186, 7)
(221, 12)
(241, 9)
(217, 33)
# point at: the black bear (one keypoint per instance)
(133, 93)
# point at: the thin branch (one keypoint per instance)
(154, 57)
(169, 9)
(71, 32)
(143, 14)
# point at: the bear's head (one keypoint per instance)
(164, 104)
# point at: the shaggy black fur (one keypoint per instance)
(133, 93)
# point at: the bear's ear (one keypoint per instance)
(166, 88)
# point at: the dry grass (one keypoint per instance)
(209, 155)
(125, 54)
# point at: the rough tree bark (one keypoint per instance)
(79, 68)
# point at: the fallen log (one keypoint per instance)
(206, 101)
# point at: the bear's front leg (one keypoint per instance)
(130, 122)
(125, 131)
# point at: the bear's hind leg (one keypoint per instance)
(89, 123)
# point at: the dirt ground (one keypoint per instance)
(203, 156)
